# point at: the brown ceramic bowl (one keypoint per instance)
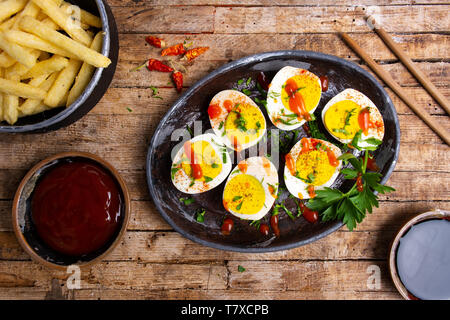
(430, 215)
(25, 229)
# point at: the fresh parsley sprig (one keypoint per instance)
(350, 207)
(368, 144)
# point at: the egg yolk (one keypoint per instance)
(244, 194)
(245, 123)
(314, 168)
(341, 119)
(309, 88)
(206, 157)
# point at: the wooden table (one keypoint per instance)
(153, 261)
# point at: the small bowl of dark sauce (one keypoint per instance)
(419, 259)
(71, 209)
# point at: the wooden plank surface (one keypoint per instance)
(155, 262)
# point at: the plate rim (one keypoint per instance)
(261, 57)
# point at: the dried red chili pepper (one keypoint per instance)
(194, 53)
(156, 42)
(175, 50)
(177, 78)
(156, 65)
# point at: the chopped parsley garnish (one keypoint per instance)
(239, 206)
(207, 179)
(240, 81)
(288, 212)
(173, 171)
(214, 165)
(311, 177)
(189, 130)
(246, 92)
(249, 80)
(258, 126)
(129, 109)
(309, 180)
(346, 123)
(314, 130)
(341, 131)
(155, 92)
(236, 198)
(358, 140)
(240, 122)
(200, 216)
(241, 268)
(220, 125)
(350, 207)
(273, 95)
(187, 201)
(255, 223)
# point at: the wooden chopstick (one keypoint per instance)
(386, 77)
(420, 76)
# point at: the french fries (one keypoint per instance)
(46, 67)
(86, 72)
(17, 52)
(85, 17)
(1, 99)
(62, 83)
(64, 21)
(33, 106)
(10, 7)
(12, 86)
(11, 99)
(82, 52)
(49, 50)
(31, 41)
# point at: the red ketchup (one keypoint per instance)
(76, 208)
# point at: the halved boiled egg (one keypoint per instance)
(311, 165)
(251, 188)
(293, 96)
(237, 119)
(201, 164)
(349, 112)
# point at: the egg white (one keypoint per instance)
(255, 168)
(275, 105)
(182, 181)
(295, 185)
(363, 101)
(235, 97)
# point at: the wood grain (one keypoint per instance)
(299, 3)
(389, 81)
(262, 19)
(229, 46)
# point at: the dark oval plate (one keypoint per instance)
(192, 106)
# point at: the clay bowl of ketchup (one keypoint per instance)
(71, 209)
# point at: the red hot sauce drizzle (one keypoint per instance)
(296, 102)
(76, 208)
(197, 172)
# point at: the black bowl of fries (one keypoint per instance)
(57, 59)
